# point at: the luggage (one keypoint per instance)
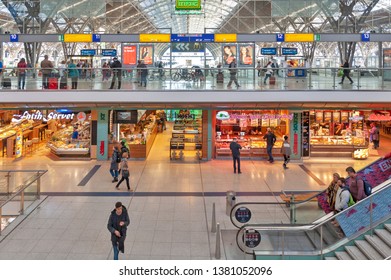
(53, 83)
(6, 83)
(63, 83)
(220, 78)
(272, 80)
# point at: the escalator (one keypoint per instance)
(310, 234)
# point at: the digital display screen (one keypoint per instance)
(129, 117)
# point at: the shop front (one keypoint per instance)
(249, 127)
(336, 133)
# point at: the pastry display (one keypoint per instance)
(361, 154)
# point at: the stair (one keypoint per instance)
(331, 258)
(330, 236)
(376, 247)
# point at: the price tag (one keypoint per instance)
(14, 38)
(366, 37)
(95, 37)
(280, 37)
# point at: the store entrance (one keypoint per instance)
(168, 135)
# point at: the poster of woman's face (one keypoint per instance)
(229, 53)
(246, 55)
(146, 54)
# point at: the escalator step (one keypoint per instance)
(368, 250)
(331, 258)
(384, 235)
(355, 253)
(388, 227)
(343, 255)
(379, 245)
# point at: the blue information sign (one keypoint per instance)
(14, 38)
(179, 38)
(280, 37)
(95, 37)
(289, 51)
(109, 52)
(202, 38)
(365, 37)
(88, 52)
(269, 51)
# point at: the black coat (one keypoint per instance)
(113, 224)
(346, 69)
(235, 148)
(270, 139)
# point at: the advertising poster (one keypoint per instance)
(306, 134)
(129, 55)
(229, 53)
(273, 123)
(344, 117)
(19, 143)
(336, 117)
(146, 54)
(246, 55)
(319, 117)
(327, 117)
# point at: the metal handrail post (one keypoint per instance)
(321, 241)
(292, 209)
(382, 79)
(8, 182)
(39, 187)
(22, 202)
(371, 214)
(309, 78)
(358, 79)
(283, 245)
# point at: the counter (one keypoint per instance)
(139, 150)
(336, 146)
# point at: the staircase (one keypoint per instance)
(376, 247)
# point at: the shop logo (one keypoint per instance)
(356, 118)
(39, 116)
(222, 115)
(81, 116)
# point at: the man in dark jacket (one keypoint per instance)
(124, 149)
(235, 149)
(346, 72)
(143, 73)
(117, 225)
(270, 140)
(117, 72)
(233, 71)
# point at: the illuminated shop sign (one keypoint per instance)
(356, 118)
(188, 4)
(37, 116)
(223, 115)
(378, 118)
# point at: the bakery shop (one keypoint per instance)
(249, 127)
(337, 133)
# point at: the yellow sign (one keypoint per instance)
(77, 38)
(295, 37)
(19, 143)
(155, 38)
(223, 38)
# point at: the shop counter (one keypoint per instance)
(141, 151)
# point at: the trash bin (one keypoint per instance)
(230, 201)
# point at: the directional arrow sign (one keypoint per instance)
(188, 47)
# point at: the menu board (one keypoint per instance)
(273, 122)
(254, 122)
(327, 116)
(319, 117)
(336, 117)
(265, 123)
(344, 116)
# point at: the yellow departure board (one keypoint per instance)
(222, 38)
(154, 38)
(303, 37)
(75, 38)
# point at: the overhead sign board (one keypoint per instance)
(179, 38)
(155, 38)
(109, 52)
(192, 38)
(280, 37)
(14, 38)
(366, 37)
(289, 51)
(223, 38)
(299, 37)
(88, 52)
(77, 38)
(95, 37)
(188, 5)
(269, 51)
(188, 47)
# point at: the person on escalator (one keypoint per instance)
(342, 196)
(356, 185)
(332, 191)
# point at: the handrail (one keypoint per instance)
(23, 171)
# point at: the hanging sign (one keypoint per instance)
(19, 143)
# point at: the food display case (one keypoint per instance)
(140, 144)
(336, 146)
(62, 144)
(186, 136)
(361, 153)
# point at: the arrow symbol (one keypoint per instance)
(187, 46)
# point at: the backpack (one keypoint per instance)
(367, 188)
(351, 200)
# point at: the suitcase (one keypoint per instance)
(272, 80)
(220, 78)
(6, 83)
(53, 83)
(63, 83)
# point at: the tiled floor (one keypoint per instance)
(72, 225)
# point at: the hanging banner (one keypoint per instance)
(129, 54)
(19, 143)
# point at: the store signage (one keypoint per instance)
(88, 52)
(356, 118)
(306, 133)
(222, 116)
(262, 116)
(187, 4)
(81, 117)
(385, 165)
(269, 51)
(378, 118)
(14, 38)
(295, 133)
(289, 51)
(251, 238)
(102, 148)
(109, 52)
(243, 215)
(365, 37)
(185, 38)
(51, 116)
(188, 47)
(280, 37)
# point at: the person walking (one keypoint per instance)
(235, 149)
(124, 149)
(356, 185)
(117, 225)
(117, 72)
(114, 164)
(270, 140)
(286, 151)
(374, 135)
(105, 72)
(143, 73)
(233, 71)
(46, 69)
(124, 172)
(269, 71)
(259, 68)
(346, 72)
(22, 65)
(73, 74)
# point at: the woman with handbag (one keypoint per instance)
(124, 172)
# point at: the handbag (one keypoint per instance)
(125, 173)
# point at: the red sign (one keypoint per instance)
(102, 148)
(296, 144)
(379, 118)
(129, 55)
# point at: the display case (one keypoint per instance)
(338, 140)
(336, 146)
(62, 144)
(8, 132)
(140, 144)
(186, 136)
(361, 153)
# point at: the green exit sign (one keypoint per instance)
(188, 5)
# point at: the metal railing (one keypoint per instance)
(18, 190)
(188, 78)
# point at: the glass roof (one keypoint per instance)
(162, 14)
